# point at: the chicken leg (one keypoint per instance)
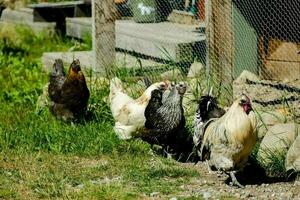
(234, 181)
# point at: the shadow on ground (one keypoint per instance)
(254, 174)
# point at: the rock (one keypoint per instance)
(271, 118)
(246, 75)
(154, 194)
(277, 140)
(206, 195)
(172, 75)
(196, 69)
(292, 161)
(266, 120)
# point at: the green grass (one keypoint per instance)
(42, 157)
(112, 176)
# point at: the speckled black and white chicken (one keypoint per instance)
(227, 141)
(165, 122)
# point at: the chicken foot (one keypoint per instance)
(234, 181)
(208, 167)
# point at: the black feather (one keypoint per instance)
(57, 79)
(208, 109)
(69, 94)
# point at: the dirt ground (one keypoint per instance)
(257, 186)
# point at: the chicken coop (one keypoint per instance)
(226, 38)
(259, 36)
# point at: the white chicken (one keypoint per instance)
(128, 112)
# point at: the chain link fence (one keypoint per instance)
(235, 46)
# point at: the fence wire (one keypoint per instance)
(250, 47)
(235, 46)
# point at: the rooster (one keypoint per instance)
(228, 141)
(128, 112)
(165, 122)
(69, 95)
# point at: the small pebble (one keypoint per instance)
(237, 195)
(206, 195)
(154, 194)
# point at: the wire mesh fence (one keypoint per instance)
(205, 42)
(235, 46)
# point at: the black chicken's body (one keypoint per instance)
(207, 110)
(166, 122)
(154, 103)
(69, 94)
(57, 79)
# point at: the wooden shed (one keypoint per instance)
(264, 35)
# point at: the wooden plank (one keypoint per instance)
(164, 50)
(18, 15)
(86, 60)
(78, 27)
(165, 31)
(281, 70)
(37, 27)
(66, 4)
(148, 39)
(283, 50)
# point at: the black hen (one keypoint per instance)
(69, 94)
(57, 79)
(166, 122)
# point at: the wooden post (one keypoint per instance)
(103, 29)
(220, 47)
